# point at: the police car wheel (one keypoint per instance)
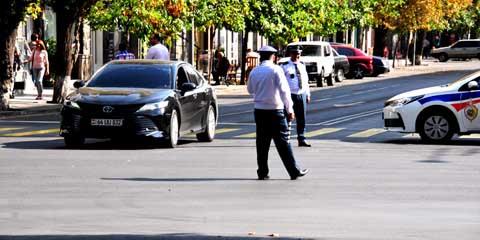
(436, 127)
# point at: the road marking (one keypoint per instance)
(474, 136)
(348, 104)
(8, 129)
(248, 135)
(13, 121)
(30, 133)
(321, 99)
(349, 117)
(217, 131)
(322, 131)
(235, 113)
(412, 135)
(367, 133)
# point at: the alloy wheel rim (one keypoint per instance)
(174, 128)
(358, 72)
(211, 123)
(436, 127)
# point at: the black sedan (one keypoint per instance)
(342, 67)
(380, 66)
(141, 98)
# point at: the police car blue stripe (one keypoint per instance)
(443, 98)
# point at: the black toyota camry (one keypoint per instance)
(140, 98)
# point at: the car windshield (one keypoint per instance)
(309, 50)
(133, 75)
(465, 77)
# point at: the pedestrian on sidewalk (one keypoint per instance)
(272, 102)
(40, 64)
(297, 77)
(124, 54)
(158, 50)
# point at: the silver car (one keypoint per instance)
(462, 49)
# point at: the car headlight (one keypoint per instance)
(153, 106)
(71, 104)
(402, 101)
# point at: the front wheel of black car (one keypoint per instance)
(73, 141)
(173, 130)
(209, 134)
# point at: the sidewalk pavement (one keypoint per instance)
(27, 105)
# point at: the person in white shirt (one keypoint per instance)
(158, 50)
(297, 77)
(272, 101)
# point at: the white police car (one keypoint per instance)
(436, 113)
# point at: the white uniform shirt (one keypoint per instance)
(158, 51)
(269, 87)
(289, 70)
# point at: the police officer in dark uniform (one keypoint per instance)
(272, 101)
(297, 77)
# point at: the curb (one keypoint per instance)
(42, 109)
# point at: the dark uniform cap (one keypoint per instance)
(295, 48)
(268, 49)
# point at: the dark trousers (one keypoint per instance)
(272, 124)
(300, 110)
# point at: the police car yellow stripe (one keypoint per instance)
(367, 133)
(31, 133)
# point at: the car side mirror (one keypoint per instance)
(78, 84)
(473, 85)
(187, 87)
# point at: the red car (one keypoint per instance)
(360, 63)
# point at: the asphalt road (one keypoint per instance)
(380, 186)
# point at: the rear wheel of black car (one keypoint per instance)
(173, 130)
(340, 76)
(209, 134)
(442, 57)
(320, 79)
(73, 141)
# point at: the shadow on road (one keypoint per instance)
(174, 236)
(92, 145)
(453, 142)
(178, 179)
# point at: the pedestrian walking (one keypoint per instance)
(297, 77)
(272, 102)
(158, 50)
(40, 64)
(124, 54)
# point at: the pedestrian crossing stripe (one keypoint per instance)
(217, 131)
(474, 136)
(322, 131)
(9, 129)
(412, 135)
(367, 133)
(248, 135)
(30, 133)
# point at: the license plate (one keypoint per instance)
(106, 122)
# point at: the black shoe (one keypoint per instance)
(263, 177)
(304, 144)
(300, 174)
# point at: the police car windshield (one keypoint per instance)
(464, 77)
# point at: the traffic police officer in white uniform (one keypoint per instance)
(297, 78)
(272, 101)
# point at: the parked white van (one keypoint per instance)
(318, 59)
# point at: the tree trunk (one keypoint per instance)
(65, 64)
(7, 46)
(380, 41)
(244, 56)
